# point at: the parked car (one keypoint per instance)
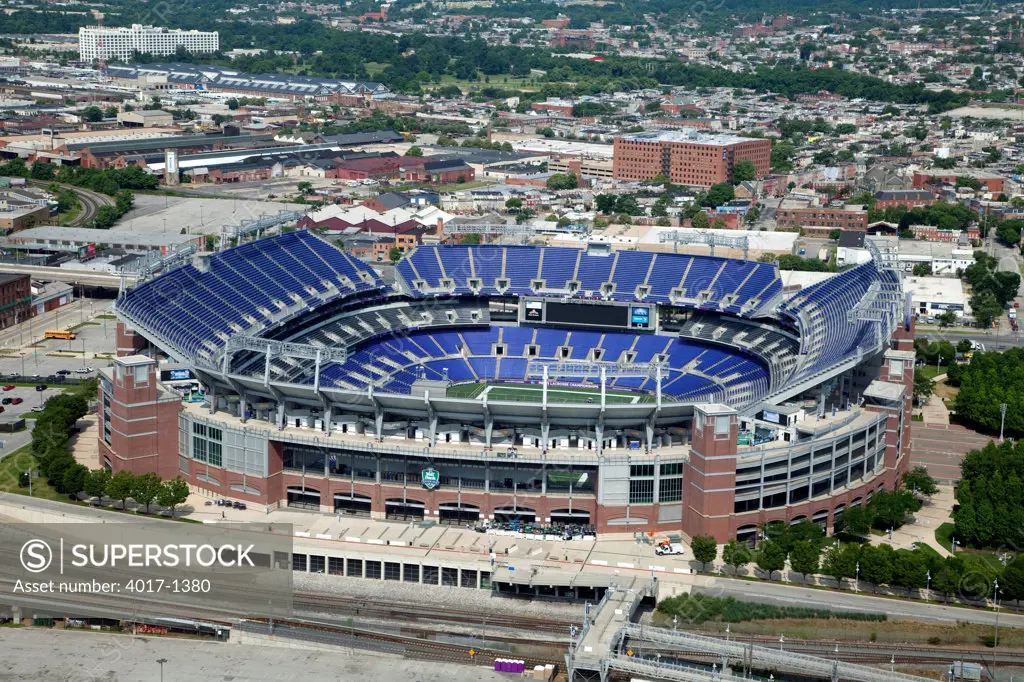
(9, 387)
(62, 372)
(84, 370)
(41, 387)
(17, 401)
(13, 375)
(6, 401)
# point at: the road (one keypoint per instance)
(898, 609)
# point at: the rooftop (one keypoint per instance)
(693, 135)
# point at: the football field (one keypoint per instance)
(556, 394)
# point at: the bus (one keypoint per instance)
(59, 334)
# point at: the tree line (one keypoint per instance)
(51, 447)
(990, 496)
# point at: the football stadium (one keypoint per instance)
(621, 390)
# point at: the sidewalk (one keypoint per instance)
(935, 512)
(935, 411)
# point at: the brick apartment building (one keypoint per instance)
(15, 299)
(687, 157)
(989, 182)
(815, 219)
(911, 198)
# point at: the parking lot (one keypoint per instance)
(28, 354)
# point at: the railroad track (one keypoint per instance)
(850, 652)
(417, 612)
(394, 643)
(89, 200)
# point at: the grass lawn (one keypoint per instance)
(556, 394)
(892, 631)
(374, 68)
(21, 460)
(503, 80)
(69, 216)
(984, 559)
(928, 371)
(106, 316)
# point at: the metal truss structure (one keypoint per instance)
(577, 368)
(712, 239)
(271, 349)
(247, 227)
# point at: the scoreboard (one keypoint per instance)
(587, 313)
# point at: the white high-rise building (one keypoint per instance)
(100, 42)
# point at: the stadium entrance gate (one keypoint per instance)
(403, 510)
(454, 515)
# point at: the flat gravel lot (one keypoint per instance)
(101, 657)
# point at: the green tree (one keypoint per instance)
(834, 235)
(304, 188)
(719, 194)
(96, 483)
(42, 170)
(121, 486)
(771, 558)
(701, 221)
(414, 151)
(92, 114)
(145, 488)
(471, 239)
(922, 270)
(918, 479)
(705, 549)
(73, 481)
(172, 493)
(743, 170)
(805, 557)
(605, 203)
(514, 204)
(559, 181)
(1012, 581)
(910, 569)
(947, 319)
(923, 388)
(395, 254)
(232, 104)
(735, 555)
(855, 520)
(877, 564)
(840, 562)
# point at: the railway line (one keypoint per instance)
(392, 643)
(410, 612)
(89, 200)
(852, 652)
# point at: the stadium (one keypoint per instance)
(619, 390)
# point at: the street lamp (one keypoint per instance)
(856, 584)
(954, 544)
(928, 582)
(161, 661)
(1002, 420)
(938, 363)
(995, 601)
(782, 639)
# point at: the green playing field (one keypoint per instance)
(556, 394)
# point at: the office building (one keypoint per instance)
(687, 157)
(101, 42)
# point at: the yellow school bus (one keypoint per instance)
(59, 334)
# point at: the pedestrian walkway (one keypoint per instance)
(935, 512)
(935, 411)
